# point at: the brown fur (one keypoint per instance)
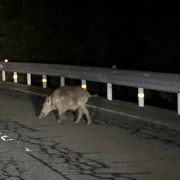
(67, 98)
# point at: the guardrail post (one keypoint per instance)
(44, 81)
(140, 97)
(83, 84)
(3, 76)
(15, 77)
(28, 79)
(109, 91)
(178, 103)
(62, 81)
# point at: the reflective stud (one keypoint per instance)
(178, 103)
(28, 79)
(83, 84)
(6, 60)
(109, 91)
(44, 81)
(15, 77)
(3, 76)
(62, 81)
(140, 97)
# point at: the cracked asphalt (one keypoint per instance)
(33, 149)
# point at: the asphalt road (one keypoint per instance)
(33, 149)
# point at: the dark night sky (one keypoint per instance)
(161, 29)
(95, 33)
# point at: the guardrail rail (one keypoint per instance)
(139, 79)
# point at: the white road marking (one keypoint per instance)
(4, 137)
(28, 150)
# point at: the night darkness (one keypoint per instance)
(92, 33)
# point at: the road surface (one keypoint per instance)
(33, 149)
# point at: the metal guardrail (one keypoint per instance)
(139, 79)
